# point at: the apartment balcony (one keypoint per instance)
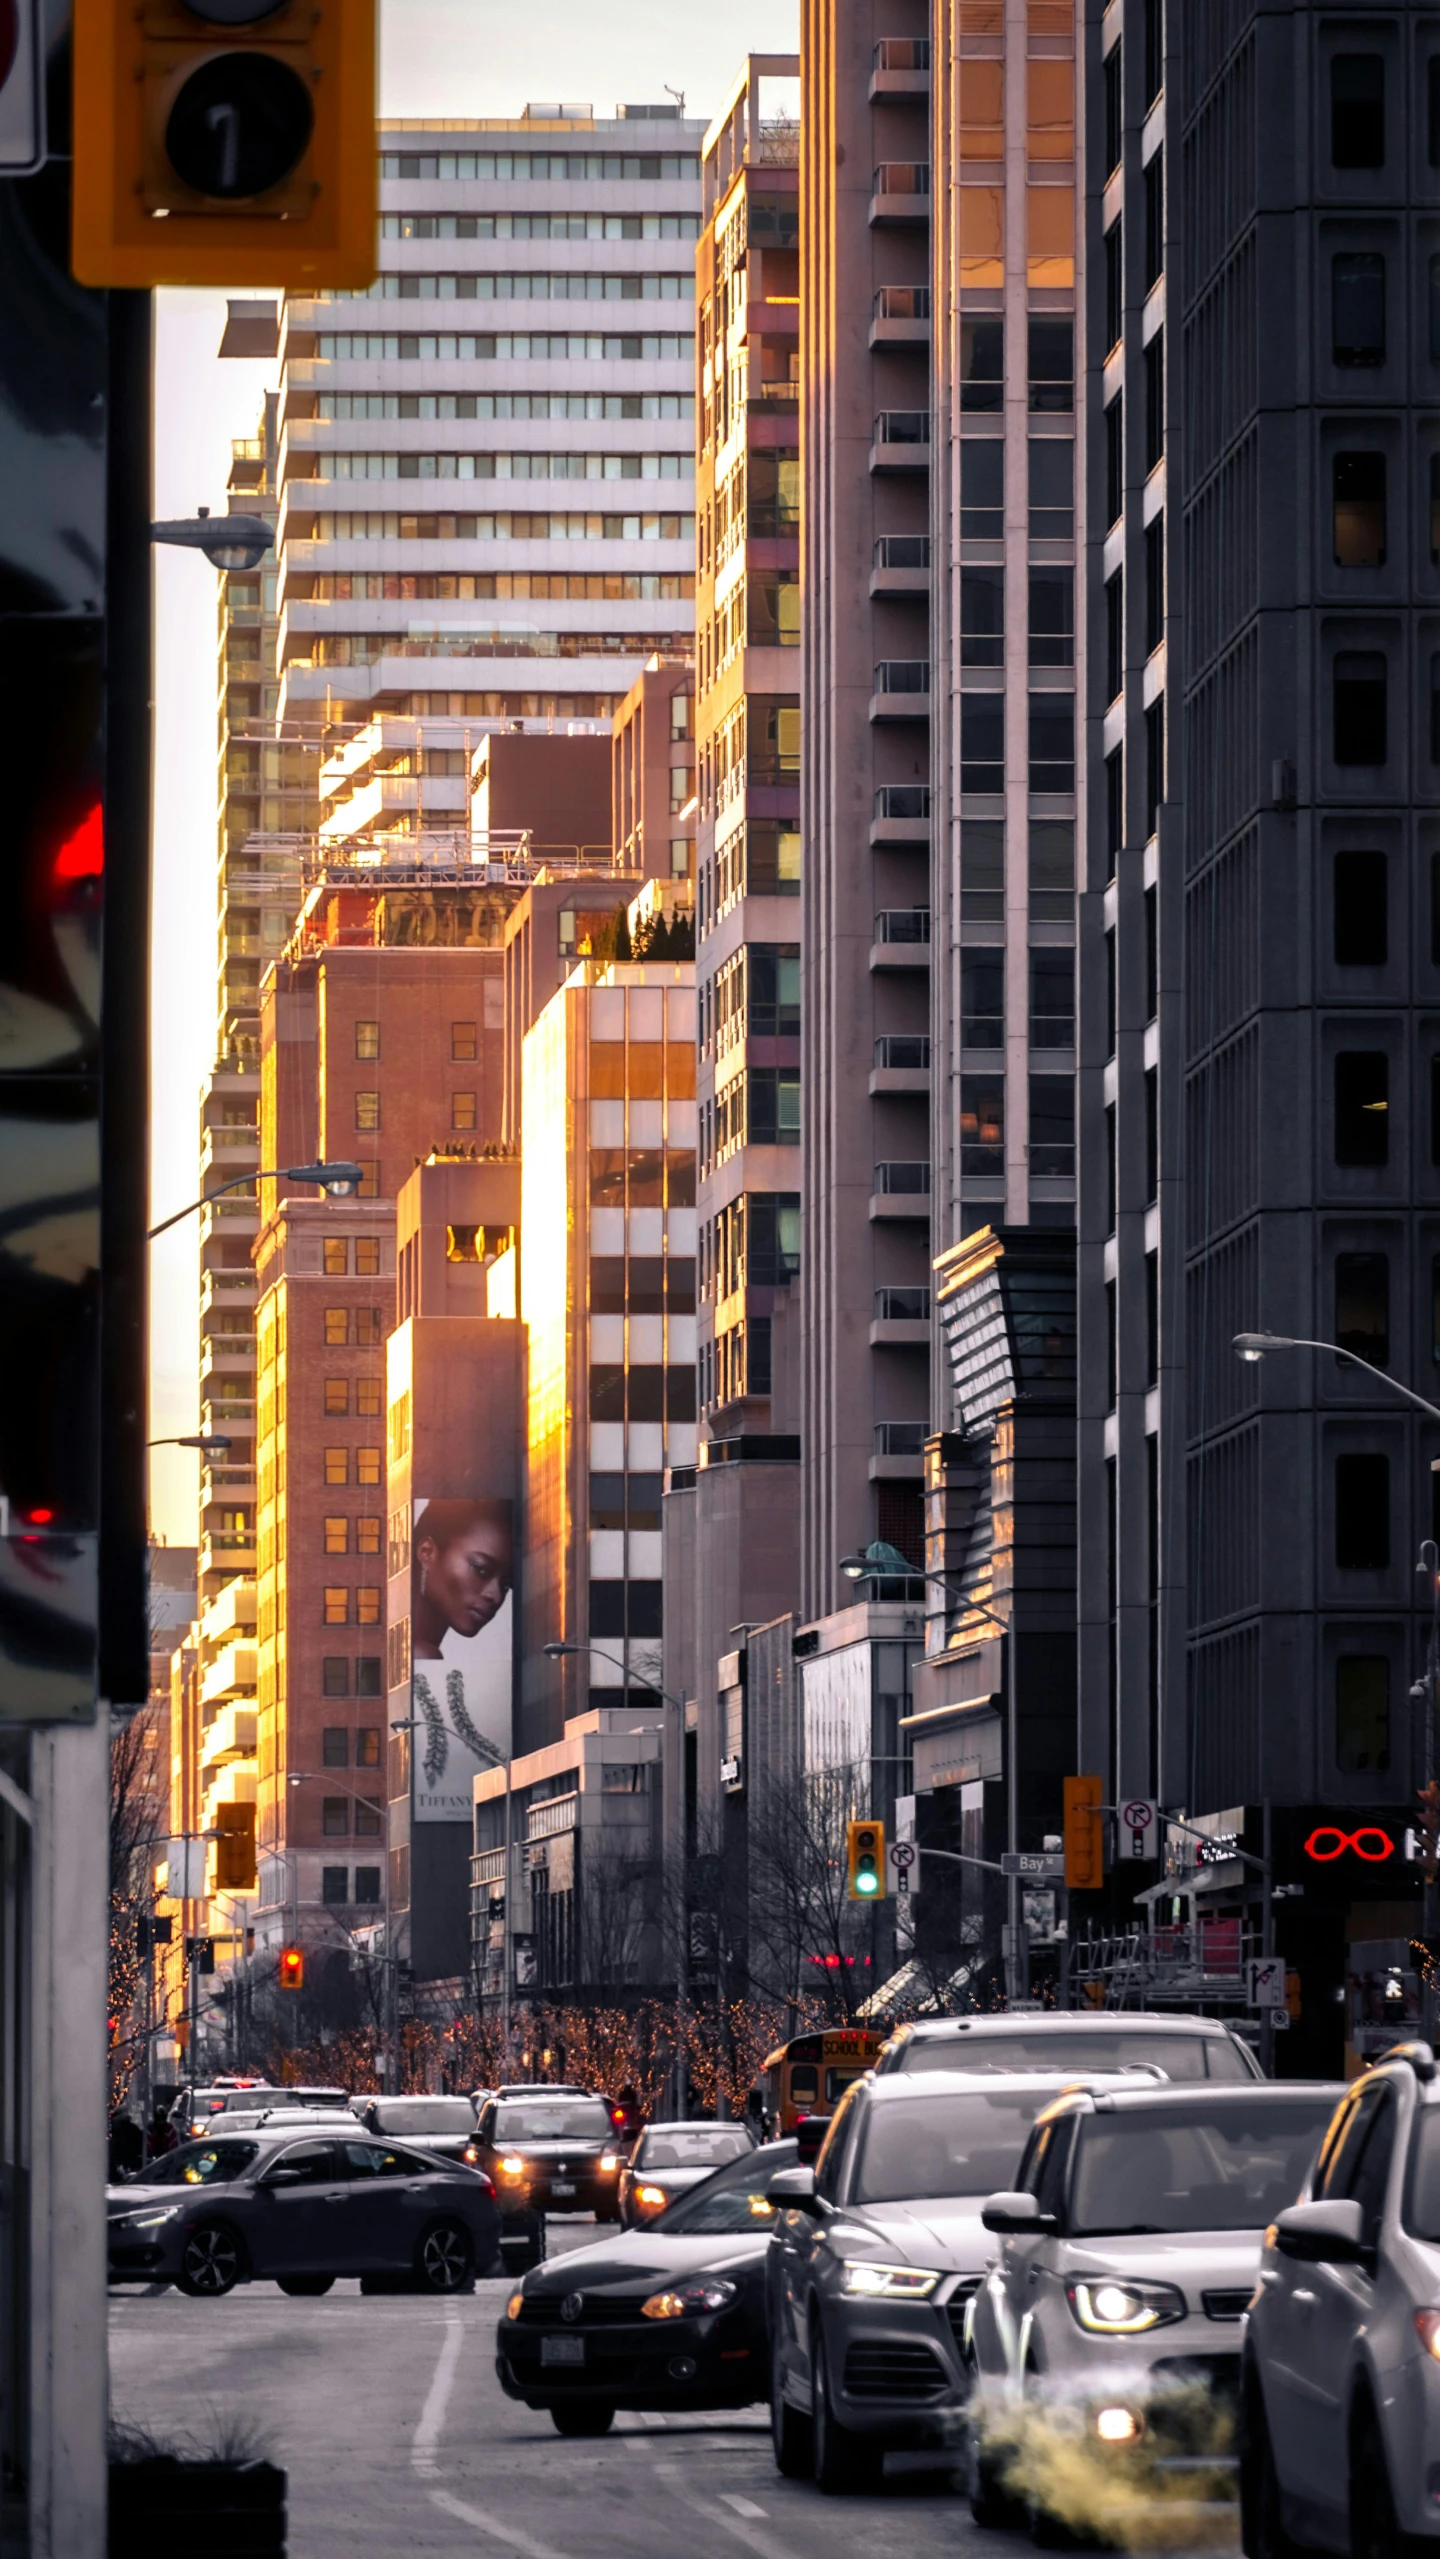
(230, 1737)
(227, 1360)
(230, 1618)
(901, 1320)
(900, 67)
(902, 938)
(902, 689)
(902, 1063)
(900, 1191)
(229, 1550)
(231, 1675)
(224, 1152)
(900, 440)
(900, 316)
(901, 565)
(226, 1293)
(898, 1452)
(900, 192)
(902, 814)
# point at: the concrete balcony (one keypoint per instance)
(900, 68)
(902, 815)
(900, 1192)
(227, 1292)
(228, 1551)
(227, 1360)
(231, 1617)
(900, 192)
(900, 440)
(901, 565)
(231, 1675)
(898, 1452)
(902, 689)
(230, 1737)
(900, 316)
(902, 938)
(898, 1336)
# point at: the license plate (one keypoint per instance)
(562, 2350)
(562, 2190)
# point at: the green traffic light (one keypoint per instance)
(866, 1881)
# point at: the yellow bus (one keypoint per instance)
(810, 2074)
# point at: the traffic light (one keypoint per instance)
(292, 1967)
(235, 1848)
(200, 1954)
(225, 142)
(151, 1932)
(865, 1861)
(1084, 1834)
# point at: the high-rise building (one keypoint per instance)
(488, 512)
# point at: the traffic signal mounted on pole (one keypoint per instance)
(235, 1870)
(1084, 1834)
(865, 1861)
(200, 1954)
(225, 142)
(292, 1967)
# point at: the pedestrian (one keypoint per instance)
(127, 2146)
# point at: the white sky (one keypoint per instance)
(457, 58)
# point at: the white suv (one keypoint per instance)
(1340, 2386)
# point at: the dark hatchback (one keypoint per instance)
(551, 2154)
(671, 2317)
(298, 2211)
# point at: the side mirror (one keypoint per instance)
(793, 2190)
(810, 2134)
(1016, 2213)
(1328, 2234)
(283, 2176)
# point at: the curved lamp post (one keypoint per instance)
(341, 1181)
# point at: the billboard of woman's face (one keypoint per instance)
(462, 1650)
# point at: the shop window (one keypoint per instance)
(1362, 1512)
(1362, 1714)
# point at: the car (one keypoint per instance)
(1183, 2047)
(668, 2159)
(442, 2125)
(195, 2109)
(1104, 2342)
(551, 2154)
(1340, 2375)
(876, 2253)
(269, 2205)
(669, 2318)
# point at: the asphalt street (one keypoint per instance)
(399, 2441)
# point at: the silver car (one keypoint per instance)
(1340, 2386)
(1182, 2047)
(1104, 2343)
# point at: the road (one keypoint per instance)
(400, 2444)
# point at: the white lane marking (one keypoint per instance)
(742, 2505)
(508, 2533)
(673, 2477)
(437, 2399)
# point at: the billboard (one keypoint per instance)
(462, 1641)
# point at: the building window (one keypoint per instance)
(335, 1676)
(1358, 482)
(1152, 1134)
(1115, 807)
(337, 1465)
(1052, 363)
(1362, 1713)
(1362, 1306)
(337, 1326)
(1359, 907)
(1154, 764)
(368, 1681)
(1052, 742)
(367, 1605)
(1154, 51)
(337, 1394)
(982, 1124)
(1357, 111)
(1155, 400)
(1154, 219)
(337, 1536)
(337, 1607)
(1052, 488)
(367, 1884)
(367, 1110)
(1114, 283)
(367, 1398)
(982, 488)
(334, 1884)
(1154, 584)
(1360, 707)
(1114, 106)
(1435, 710)
(982, 617)
(335, 1816)
(982, 998)
(1357, 307)
(367, 1041)
(367, 1466)
(369, 1331)
(1362, 1513)
(367, 1537)
(1052, 617)
(1052, 999)
(367, 1256)
(464, 1046)
(1114, 635)
(1362, 1107)
(1152, 1320)
(1115, 459)
(982, 364)
(335, 1746)
(337, 1256)
(982, 742)
(1152, 953)
(462, 1110)
(1052, 1128)
(367, 1821)
(368, 1746)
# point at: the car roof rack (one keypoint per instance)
(1419, 2056)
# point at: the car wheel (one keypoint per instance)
(1262, 2518)
(305, 2287)
(211, 2262)
(791, 2436)
(1374, 2532)
(582, 2416)
(843, 2461)
(445, 2258)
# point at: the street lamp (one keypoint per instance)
(341, 1181)
(556, 1652)
(228, 541)
(882, 1562)
(209, 1443)
(1254, 1346)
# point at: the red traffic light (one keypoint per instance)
(292, 1967)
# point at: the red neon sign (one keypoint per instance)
(1353, 1839)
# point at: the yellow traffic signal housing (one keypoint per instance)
(235, 1870)
(292, 1968)
(1084, 1834)
(865, 1861)
(225, 142)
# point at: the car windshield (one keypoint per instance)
(944, 2145)
(1105, 2048)
(735, 2199)
(703, 2147)
(200, 2163)
(579, 2119)
(425, 2115)
(1193, 2167)
(1422, 2213)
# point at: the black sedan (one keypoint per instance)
(444, 2126)
(669, 2160)
(670, 2317)
(300, 2211)
(550, 2154)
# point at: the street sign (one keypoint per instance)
(22, 88)
(1037, 1866)
(1265, 1982)
(1139, 1827)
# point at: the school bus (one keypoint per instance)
(810, 2074)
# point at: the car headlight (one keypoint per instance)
(1427, 2329)
(514, 2305)
(146, 2220)
(710, 2292)
(609, 2162)
(512, 2167)
(888, 2283)
(655, 2195)
(470, 2155)
(1110, 2309)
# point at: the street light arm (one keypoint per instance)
(237, 1184)
(557, 1652)
(339, 1180)
(1253, 1346)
